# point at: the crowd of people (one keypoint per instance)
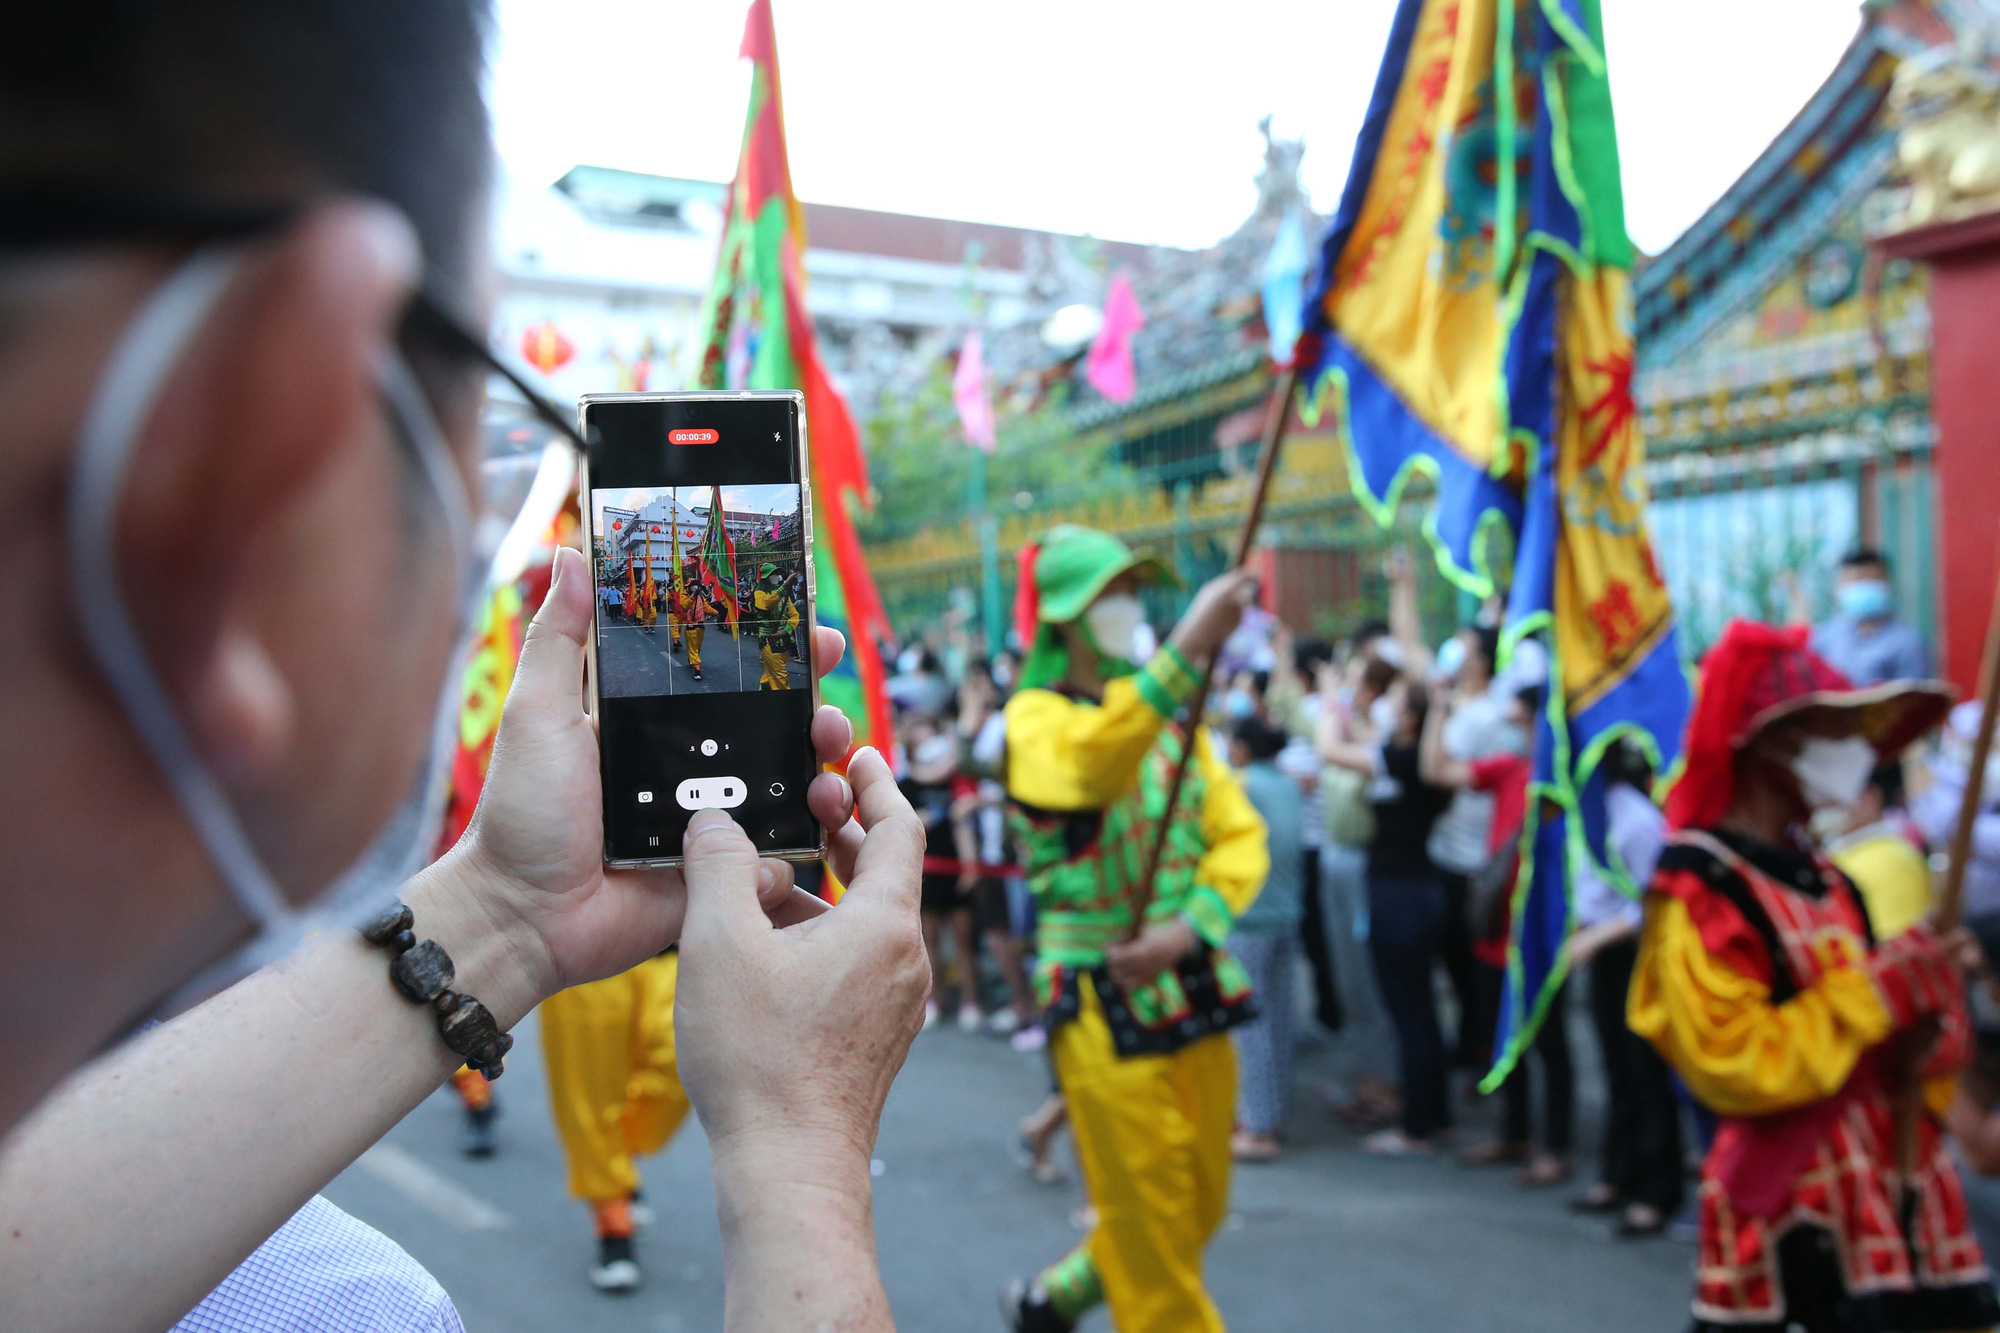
(1391, 777)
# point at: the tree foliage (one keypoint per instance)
(922, 469)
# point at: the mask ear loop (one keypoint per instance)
(409, 842)
(123, 402)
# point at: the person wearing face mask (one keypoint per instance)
(1763, 982)
(1137, 1024)
(244, 285)
(1865, 641)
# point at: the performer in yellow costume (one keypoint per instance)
(616, 1090)
(697, 611)
(777, 629)
(1138, 1025)
(1787, 1010)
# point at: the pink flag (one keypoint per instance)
(1108, 366)
(968, 391)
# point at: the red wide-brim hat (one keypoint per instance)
(1758, 675)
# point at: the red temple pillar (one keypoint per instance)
(1964, 256)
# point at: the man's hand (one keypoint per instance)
(1133, 963)
(792, 1034)
(1214, 613)
(531, 865)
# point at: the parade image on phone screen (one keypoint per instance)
(701, 590)
(701, 652)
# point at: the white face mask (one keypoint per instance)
(1833, 772)
(1450, 656)
(1113, 622)
(1382, 716)
(120, 408)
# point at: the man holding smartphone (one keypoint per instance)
(1137, 1009)
(243, 273)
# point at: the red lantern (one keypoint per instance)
(656, 529)
(546, 348)
(617, 523)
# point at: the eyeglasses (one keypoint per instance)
(33, 220)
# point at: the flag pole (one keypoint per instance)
(1246, 537)
(1951, 900)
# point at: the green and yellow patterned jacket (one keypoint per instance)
(1087, 783)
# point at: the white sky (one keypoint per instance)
(1129, 119)
(782, 498)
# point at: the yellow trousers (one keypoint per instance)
(613, 1080)
(695, 634)
(775, 669)
(1152, 1133)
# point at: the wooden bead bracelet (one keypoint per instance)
(422, 971)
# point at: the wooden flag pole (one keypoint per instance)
(1951, 901)
(1246, 536)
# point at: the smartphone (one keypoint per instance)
(699, 509)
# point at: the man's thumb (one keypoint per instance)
(720, 867)
(550, 673)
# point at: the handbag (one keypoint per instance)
(1350, 820)
(1490, 891)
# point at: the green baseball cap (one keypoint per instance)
(1074, 563)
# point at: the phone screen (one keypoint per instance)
(702, 660)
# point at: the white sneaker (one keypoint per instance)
(615, 1269)
(618, 1275)
(1030, 1039)
(969, 1018)
(932, 1015)
(1004, 1022)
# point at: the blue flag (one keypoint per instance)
(1472, 320)
(1284, 277)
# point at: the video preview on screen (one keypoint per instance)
(701, 590)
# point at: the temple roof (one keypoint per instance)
(1832, 155)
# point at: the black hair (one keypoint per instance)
(1260, 681)
(1865, 557)
(1307, 654)
(927, 662)
(1486, 639)
(1531, 698)
(1624, 761)
(1377, 675)
(249, 104)
(1368, 631)
(1259, 737)
(1888, 779)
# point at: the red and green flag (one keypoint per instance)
(718, 560)
(758, 334)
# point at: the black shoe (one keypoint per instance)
(1025, 1307)
(477, 1140)
(615, 1270)
(697, 673)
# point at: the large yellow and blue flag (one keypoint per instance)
(1472, 319)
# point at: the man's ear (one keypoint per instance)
(278, 383)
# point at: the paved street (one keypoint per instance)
(634, 663)
(1327, 1239)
